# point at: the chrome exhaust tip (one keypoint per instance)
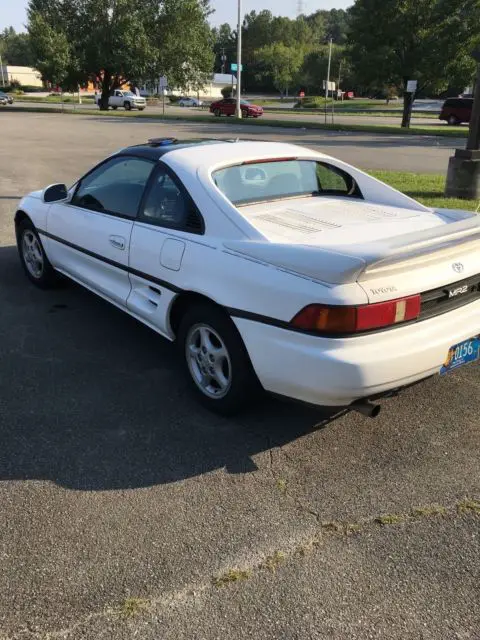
(367, 408)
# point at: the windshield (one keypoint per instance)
(129, 94)
(277, 179)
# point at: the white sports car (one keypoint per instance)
(273, 266)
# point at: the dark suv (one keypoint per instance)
(457, 110)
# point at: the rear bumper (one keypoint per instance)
(337, 372)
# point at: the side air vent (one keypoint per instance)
(194, 222)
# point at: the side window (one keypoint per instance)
(114, 187)
(168, 205)
(334, 181)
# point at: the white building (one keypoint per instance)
(26, 76)
(212, 88)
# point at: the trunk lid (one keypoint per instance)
(390, 252)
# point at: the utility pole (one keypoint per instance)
(239, 60)
(1, 67)
(328, 77)
(223, 58)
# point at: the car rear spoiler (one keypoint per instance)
(343, 264)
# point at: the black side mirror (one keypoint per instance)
(55, 193)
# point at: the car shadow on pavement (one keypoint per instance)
(91, 399)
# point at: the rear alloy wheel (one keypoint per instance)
(217, 363)
(217, 113)
(453, 121)
(33, 257)
(127, 106)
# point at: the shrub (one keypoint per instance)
(311, 102)
(227, 92)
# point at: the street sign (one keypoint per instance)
(331, 85)
(412, 86)
(234, 67)
(302, 94)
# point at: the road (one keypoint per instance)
(420, 154)
(295, 116)
(130, 512)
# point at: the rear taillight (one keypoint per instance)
(328, 319)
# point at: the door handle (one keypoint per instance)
(118, 242)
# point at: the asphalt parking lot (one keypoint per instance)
(127, 511)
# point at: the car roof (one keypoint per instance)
(155, 148)
(221, 151)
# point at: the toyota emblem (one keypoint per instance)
(458, 267)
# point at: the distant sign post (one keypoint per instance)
(163, 85)
(409, 99)
(234, 67)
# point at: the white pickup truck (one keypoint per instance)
(125, 99)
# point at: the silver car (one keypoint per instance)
(189, 102)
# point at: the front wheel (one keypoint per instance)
(453, 121)
(33, 258)
(141, 108)
(114, 108)
(127, 106)
(217, 113)
(216, 361)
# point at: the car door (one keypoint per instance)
(116, 99)
(168, 226)
(229, 108)
(88, 236)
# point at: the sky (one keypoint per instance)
(13, 12)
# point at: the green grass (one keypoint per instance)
(443, 131)
(54, 99)
(424, 187)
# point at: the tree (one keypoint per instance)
(51, 49)
(118, 41)
(424, 40)
(314, 68)
(224, 44)
(15, 48)
(282, 63)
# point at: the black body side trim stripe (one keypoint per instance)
(234, 313)
(113, 263)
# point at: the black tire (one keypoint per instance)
(127, 106)
(114, 108)
(217, 113)
(47, 277)
(453, 121)
(141, 108)
(243, 388)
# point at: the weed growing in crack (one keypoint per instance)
(273, 562)
(132, 607)
(232, 575)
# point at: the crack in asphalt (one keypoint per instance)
(269, 563)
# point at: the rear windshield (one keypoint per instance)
(466, 103)
(277, 179)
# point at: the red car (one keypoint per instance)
(457, 110)
(228, 106)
